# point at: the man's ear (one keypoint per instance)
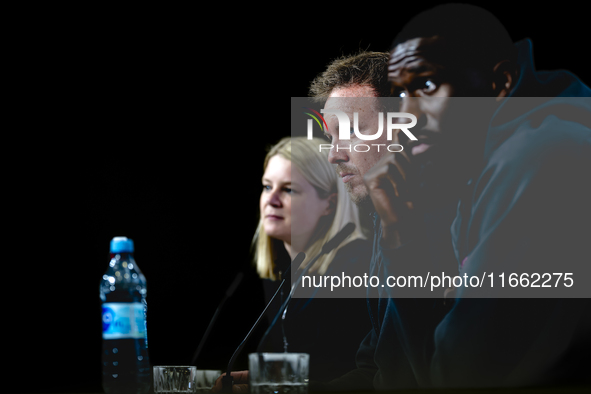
(332, 204)
(505, 74)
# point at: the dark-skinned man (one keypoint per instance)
(523, 208)
(518, 172)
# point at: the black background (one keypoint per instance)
(153, 124)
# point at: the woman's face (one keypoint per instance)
(289, 204)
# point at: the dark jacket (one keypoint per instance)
(329, 329)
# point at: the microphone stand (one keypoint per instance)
(330, 245)
(228, 380)
(227, 295)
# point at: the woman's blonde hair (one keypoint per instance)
(314, 166)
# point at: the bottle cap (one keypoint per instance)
(121, 245)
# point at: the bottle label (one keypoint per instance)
(123, 320)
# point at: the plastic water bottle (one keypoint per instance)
(126, 365)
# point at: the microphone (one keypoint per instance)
(327, 247)
(227, 295)
(228, 381)
(338, 238)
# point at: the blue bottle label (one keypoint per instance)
(123, 320)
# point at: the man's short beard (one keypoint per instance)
(362, 200)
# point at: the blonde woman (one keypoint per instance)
(303, 205)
